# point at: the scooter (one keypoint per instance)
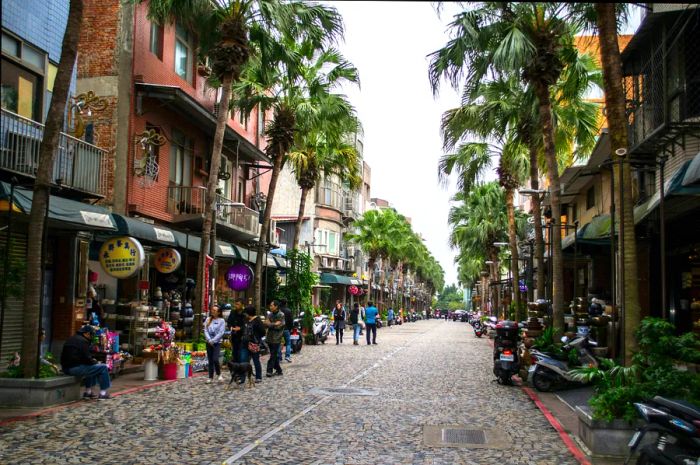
(321, 328)
(295, 334)
(479, 328)
(677, 426)
(506, 362)
(548, 372)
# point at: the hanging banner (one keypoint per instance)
(122, 257)
(208, 264)
(167, 260)
(239, 277)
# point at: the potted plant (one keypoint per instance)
(610, 422)
(49, 388)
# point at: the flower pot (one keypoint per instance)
(605, 438)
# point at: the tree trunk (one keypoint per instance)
(537, 216)
(513, 240)
(617, 123)
(265, 228)
(40, 202)
(210, 201)
(300, 217)
(370, 265)
(545, 110)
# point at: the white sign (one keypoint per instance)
(164, 235)
(97, 219)
(227, 250)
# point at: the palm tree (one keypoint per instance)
(534, 41)
(274, 81)
(42, 186)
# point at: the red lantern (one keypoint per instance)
(353, 290)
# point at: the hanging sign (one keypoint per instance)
(167, 260)
(122, 257)
(239, 277)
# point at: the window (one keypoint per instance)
(180, 160)
(11, 46)
(590, 198)
(332, 243)
(21, 91)
(183, 53)
(243, 120)
(156, 44)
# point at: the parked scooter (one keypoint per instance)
(506, 362)
(479, 328)
(321, 328)
(549, 372)
(677, 425)
(295, 334)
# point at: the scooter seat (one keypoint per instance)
(680, 406)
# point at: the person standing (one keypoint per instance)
(275, 331)
(236, 321)
(355, 322)
(76, 360)
(214, 329)
(339, 317)
(288, 325)
(371, 322)
(390, 317)
(253, 331)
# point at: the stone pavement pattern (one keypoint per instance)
(426, 373)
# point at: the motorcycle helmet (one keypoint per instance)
(226, 307)
(595, 309)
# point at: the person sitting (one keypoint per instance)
(76, 360)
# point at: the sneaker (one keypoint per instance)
(269, 375)
(258, 380)
(105, 396)
(374, 343)
(288, 360)
(209, 380)
(220, 378)
(278, 373)
(88, 396)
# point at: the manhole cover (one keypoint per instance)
(343, 392)
(468, 436)
(463, 436)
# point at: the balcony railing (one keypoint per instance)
(77, 164)
(184, 201)
(238, 215)
(350, 209)
(329, 197)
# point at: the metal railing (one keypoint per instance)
(186, 200)
(77, 164)
(238, 215)
(330, 197)
(350, 209)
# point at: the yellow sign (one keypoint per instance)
(167, 260)
(122, 257)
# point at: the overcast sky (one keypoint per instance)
(389, 42)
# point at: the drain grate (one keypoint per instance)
(343, 392)
(463, 436)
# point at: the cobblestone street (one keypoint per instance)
(425, 373)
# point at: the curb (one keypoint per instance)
(48, 410)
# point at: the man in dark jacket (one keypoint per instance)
(288, 325)
(236, 323)
(76, 360)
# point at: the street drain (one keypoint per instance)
(464, 436)
(343, 392)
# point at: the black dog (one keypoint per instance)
(238, 370)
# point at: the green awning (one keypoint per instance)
(595, 232)
(330, 278)
(149, 232)
(251, 256)
(69, 213)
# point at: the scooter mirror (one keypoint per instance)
(564, 339)
(301, 314)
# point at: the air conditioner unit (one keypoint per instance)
(324, 262)
(272, 237)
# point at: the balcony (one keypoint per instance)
(235, 220)
(77, 166)
(329, 197)
(350, 210)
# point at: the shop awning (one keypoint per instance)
(330, 278)
(272, 261)
(70, 213)
(685, 181)
(193, 243)
(596, 232)
(140, 230)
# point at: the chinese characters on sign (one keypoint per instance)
(122, 257)
(167, 260)
(239, 277)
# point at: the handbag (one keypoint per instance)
(253, 347)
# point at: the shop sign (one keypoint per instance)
(96, 219)
(122, 257)
(167, 260)
(239, 277)
(164, 235)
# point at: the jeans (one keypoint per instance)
(356, 331)
(213, 355)
(274, 362)
(372, 329)
(339, 334)
(236, 349)
(92, 374)
(288, 347)
(245, 355)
